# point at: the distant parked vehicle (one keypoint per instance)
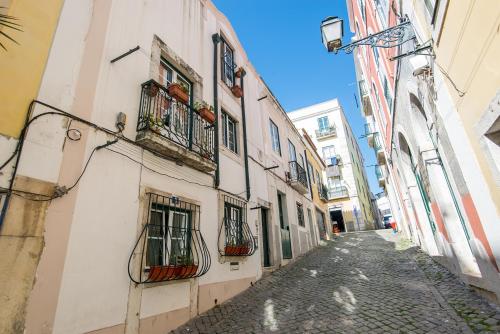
(387, 221)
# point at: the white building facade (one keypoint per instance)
(153, 211)
(348, 192)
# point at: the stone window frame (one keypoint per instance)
(159, 50)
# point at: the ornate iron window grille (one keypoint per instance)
(175, 120)
(235, 236)
(170, 246)
(297, 173)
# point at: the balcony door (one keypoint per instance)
(174, 115)
(292, 155)
(286, 244)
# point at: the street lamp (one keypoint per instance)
(332, 32)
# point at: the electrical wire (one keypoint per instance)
(20, 193)
(158, 172)
(460, 93)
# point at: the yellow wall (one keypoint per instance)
(22, 66)
(311, 158)
(469, 50)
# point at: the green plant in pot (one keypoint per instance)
(186, 266)
(180, 91)
(206, 111)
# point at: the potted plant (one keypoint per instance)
(155, 122)
(237, 91)
(245, 248)
(179, 91)
(230, 250)
(238, 72)
(206, 111)
(186, 267)
(152, 89)
(161, 273)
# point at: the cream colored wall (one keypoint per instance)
(471, 60)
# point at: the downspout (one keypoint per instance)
(245, 148)
(308, 175)
(216, 40)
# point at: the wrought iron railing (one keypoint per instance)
(175, 120)
(369, 129)
(325, 132)
(379, 173)
(297, 173)
(235, 236)
(322, 191)
(170, 246)
(362, 88)
(377, 142)
(338, 192)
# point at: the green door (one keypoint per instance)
(286, 245)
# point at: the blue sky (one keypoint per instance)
(282, 39)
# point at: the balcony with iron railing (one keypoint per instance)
(365, 99)
(322, 192)
(174, 128)
(370, 134)
(379, 149)
(379, 172)
(338, 192)
(327, 132)
(297, 177)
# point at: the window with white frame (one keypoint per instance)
(227, 64)
(383, 11)
(169, 74)
(275, 137)
(329, 155)
(169, 235)
(229, 132)
(323, 124)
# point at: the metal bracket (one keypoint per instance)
(388, 38)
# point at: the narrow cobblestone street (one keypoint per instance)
(370, 282)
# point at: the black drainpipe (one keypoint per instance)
(308, 175)
(243, 118)
(216, 40)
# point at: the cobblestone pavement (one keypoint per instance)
(371, 282)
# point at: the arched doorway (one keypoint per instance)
(437, 193)
(418, 197)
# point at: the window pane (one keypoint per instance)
(323, 123)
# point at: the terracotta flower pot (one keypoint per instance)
(207, 115)
(245, 250)
(238, 72)
(186, 271)
(161, 273)
(230, 250)
(152, 90)
(176, 91)
(237, 91)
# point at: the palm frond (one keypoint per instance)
(8, 22)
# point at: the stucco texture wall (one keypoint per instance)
(22, 65)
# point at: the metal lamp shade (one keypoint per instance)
(332, 32)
